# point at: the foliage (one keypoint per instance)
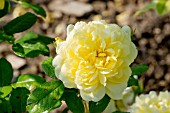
(31, 92)
(133, 80)
(75, 104)
(28, 81)
(48, 68)
(36, 8)
(5, 9)
(161, 6)
(45, 97)
(6, 72)
(20, 23)
(18, 99)
(98, 107)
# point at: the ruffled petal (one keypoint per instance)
(115, 90)
(95, 96)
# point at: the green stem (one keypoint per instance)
(86, 107)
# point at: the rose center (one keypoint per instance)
(100, 60)
(101, 55)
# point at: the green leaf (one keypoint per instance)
(18, 99)
(5, 106)
(30, 81)
(46, 97)
(30, 50)
(18, 49)
(162, 7)
(135, 84)
(132, 81)
(31, 45)
(48, 68)
(139, 69)
(20, 23)
(33, 38)
(4, 91)
(6, 38)
(4, 11)
(152, 5)
(73, 102)
(100, 106)
(36, 8)
(6, 72)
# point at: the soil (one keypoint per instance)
(152, 35)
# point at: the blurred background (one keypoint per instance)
(151, 32)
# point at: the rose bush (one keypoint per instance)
(95, 58)
(152, 103)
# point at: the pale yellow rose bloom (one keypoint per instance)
(95, 58)
(123, 104)
(2, 4)
(127, 100)
(152, 103)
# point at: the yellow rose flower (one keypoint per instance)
(127, 100)
(95, 58)
(152, 103)
(2, 4)
(123, 104)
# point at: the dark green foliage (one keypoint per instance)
(18, 99)
(133, 81)
(32, 45)
(30, 50)
(73, 102)
(20, 23)
(139, 69)
(6, 38)
(48, 68)
(4, 11)
(29, 81)
(33, 38)
(36, 8)
(45, 97)
(5, 106)
(100, 106)
(6, 72)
